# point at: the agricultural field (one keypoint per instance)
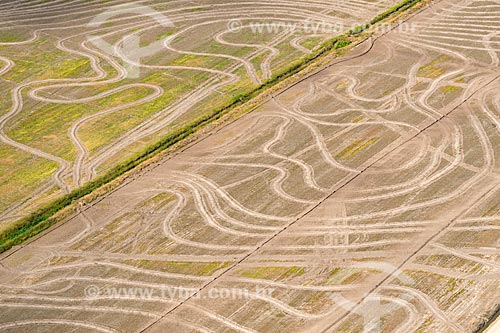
(365, 198)
(87, 85)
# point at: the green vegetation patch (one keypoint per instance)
(194, 10)
(46, 129)
(342, 43)
(432, 70)
(20, 174)
(354, 148)
(272, 272)
(188, 268)
(312, 43)
(10, 36)
(43, 65)
(448, 89)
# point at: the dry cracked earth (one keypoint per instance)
(363, 199)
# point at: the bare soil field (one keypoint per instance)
(363, 199)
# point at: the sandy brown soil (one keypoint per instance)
(365, 197)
